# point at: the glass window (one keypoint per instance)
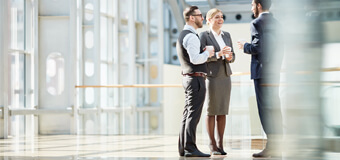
(110, 7)
(153, 46)
(154, 12)
(18, 24)
(104, 6)
(17, 80)
(104, 81)
(89, 95)
(88, 10)
(140, 10)
(124, 9)
(104, 74)
(124, 47)
(89, 68)
(103, 38)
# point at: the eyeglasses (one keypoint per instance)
(198, 15)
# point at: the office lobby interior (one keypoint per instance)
(101, 79)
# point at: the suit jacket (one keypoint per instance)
(266, 47)
(214, 64)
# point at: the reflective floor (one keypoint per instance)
(153, 147)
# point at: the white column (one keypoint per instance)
(116, 67)
(147, 49)
(110, 69)
(35, 66)
(116, 48)
(132, 62)
(97, 62)
(73, 58)
(29, 66)
(4, 44)
(160, 56)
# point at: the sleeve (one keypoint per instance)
(254, 47)
(192, 44)
(203, 38)
(232, 50)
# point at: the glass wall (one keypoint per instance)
(123, 35)
(107, 43)
(21, 58)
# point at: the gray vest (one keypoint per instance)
(187, 66)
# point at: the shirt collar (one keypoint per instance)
(214, 33)
(263, 13)
(191, 28)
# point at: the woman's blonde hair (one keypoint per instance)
(211, 13)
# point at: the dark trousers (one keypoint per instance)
(269, 107)
(194, 88)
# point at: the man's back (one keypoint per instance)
(265, 35)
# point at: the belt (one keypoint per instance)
(196, 74)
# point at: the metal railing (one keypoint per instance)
(75, 111)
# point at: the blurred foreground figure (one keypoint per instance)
(266, 49)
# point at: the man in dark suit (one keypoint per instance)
(194, 70)
(267, 51)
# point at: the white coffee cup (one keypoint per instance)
(229, 50)
(209, 48)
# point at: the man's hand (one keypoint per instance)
(241, 43)
(211, 52)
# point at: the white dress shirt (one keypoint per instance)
(220, 41)
(192, 44)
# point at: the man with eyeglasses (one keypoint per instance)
(194, 70)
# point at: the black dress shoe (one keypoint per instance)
(181, 154)
(221, 151)
(196, 153)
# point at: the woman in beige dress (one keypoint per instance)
(218, 81)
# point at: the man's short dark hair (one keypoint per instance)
(188, 12)
(264, 3)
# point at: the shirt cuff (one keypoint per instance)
(244, 47)
(206, 53)
(217, 56)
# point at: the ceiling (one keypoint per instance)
(234, 9)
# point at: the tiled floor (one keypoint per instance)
(152, 147)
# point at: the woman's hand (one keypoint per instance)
(220, 53)
(230, 56)
(227, 53)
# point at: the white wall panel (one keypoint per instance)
(54, 38)
(54, 7)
